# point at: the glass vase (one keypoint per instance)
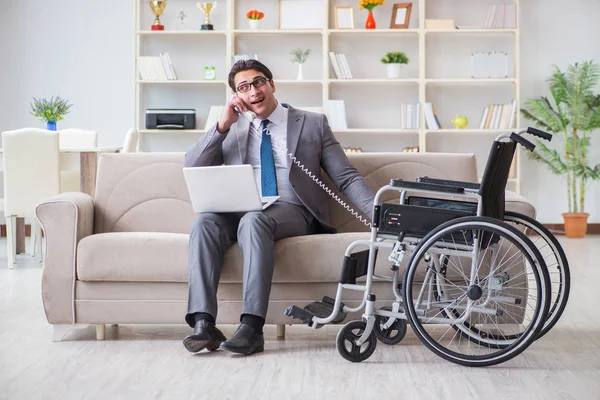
(300, 73)
(51, 125)
(370, 24)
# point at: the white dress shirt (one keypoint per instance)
(277, 126)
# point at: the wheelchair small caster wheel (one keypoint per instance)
(346, 342)
(392, 335)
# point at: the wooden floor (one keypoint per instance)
(148, 362)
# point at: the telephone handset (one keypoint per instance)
(250, 116)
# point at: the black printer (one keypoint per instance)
(170, 118)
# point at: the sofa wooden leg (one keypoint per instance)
(100, 331)
(280, 331)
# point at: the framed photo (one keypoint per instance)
(344, 18)
(400, 16)
(301, 14)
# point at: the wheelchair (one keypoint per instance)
(479, 284)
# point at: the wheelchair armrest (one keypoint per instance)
(466, 185)
(426, 186)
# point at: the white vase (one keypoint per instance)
(300, 74)
(393, 70)
(254, 24)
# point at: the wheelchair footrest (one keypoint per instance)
(320, 309)
(299, 313)
(324, 308)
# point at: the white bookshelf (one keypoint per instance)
(438, 71)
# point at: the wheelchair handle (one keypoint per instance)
(539, 133)
(522, 141)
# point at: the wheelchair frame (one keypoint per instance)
(404, 243)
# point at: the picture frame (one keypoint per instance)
(344, 17)
(400, 16)
(301, 14)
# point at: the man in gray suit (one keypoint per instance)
(302, 209)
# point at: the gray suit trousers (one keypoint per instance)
(256, 231)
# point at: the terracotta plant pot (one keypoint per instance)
(575, 224)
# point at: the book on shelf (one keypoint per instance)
(439, 24)
(340, 66)
(501, 16)
(410, 116)
(433, 123)
(499, 116)
(336, 114)
(156, 68)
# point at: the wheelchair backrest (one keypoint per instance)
(495, 178)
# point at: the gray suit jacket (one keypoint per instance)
(310, 140)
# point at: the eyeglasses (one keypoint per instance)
(258, 83)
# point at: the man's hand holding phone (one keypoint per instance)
(231, 114)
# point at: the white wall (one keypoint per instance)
(84, 52)
(80, 50)
(561, 33)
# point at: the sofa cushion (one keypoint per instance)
(163, 257)
(129, 200)
(517, 203)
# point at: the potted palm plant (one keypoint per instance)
(51, 111)
(572, 113)
(393, 62)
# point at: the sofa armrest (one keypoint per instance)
(65, 219)
(517, 203)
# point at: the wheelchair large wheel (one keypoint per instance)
(346, 342)
(556, 261)
(494, 288)
(558, 269)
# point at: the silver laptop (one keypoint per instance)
(225, 188)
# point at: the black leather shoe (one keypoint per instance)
(245, 341)
(206, 335)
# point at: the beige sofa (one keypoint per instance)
(122, 257)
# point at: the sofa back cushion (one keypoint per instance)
(146, 192)
(379, 168)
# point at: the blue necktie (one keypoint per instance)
(267, 163)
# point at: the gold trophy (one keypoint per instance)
(158, 6)
(207, 8)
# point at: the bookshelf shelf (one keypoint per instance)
(181, 33)
(183, 82)
(355, 80)
(375, 130)
(301, 81)
(438, 72)
(474, 81)
(471, 31)
(278, 32)
(171, 131)
(468, 131)
(373, 31)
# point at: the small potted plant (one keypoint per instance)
(574, 113)
(254, 18)
(299, 56)
(50, 111)
(393, 62)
